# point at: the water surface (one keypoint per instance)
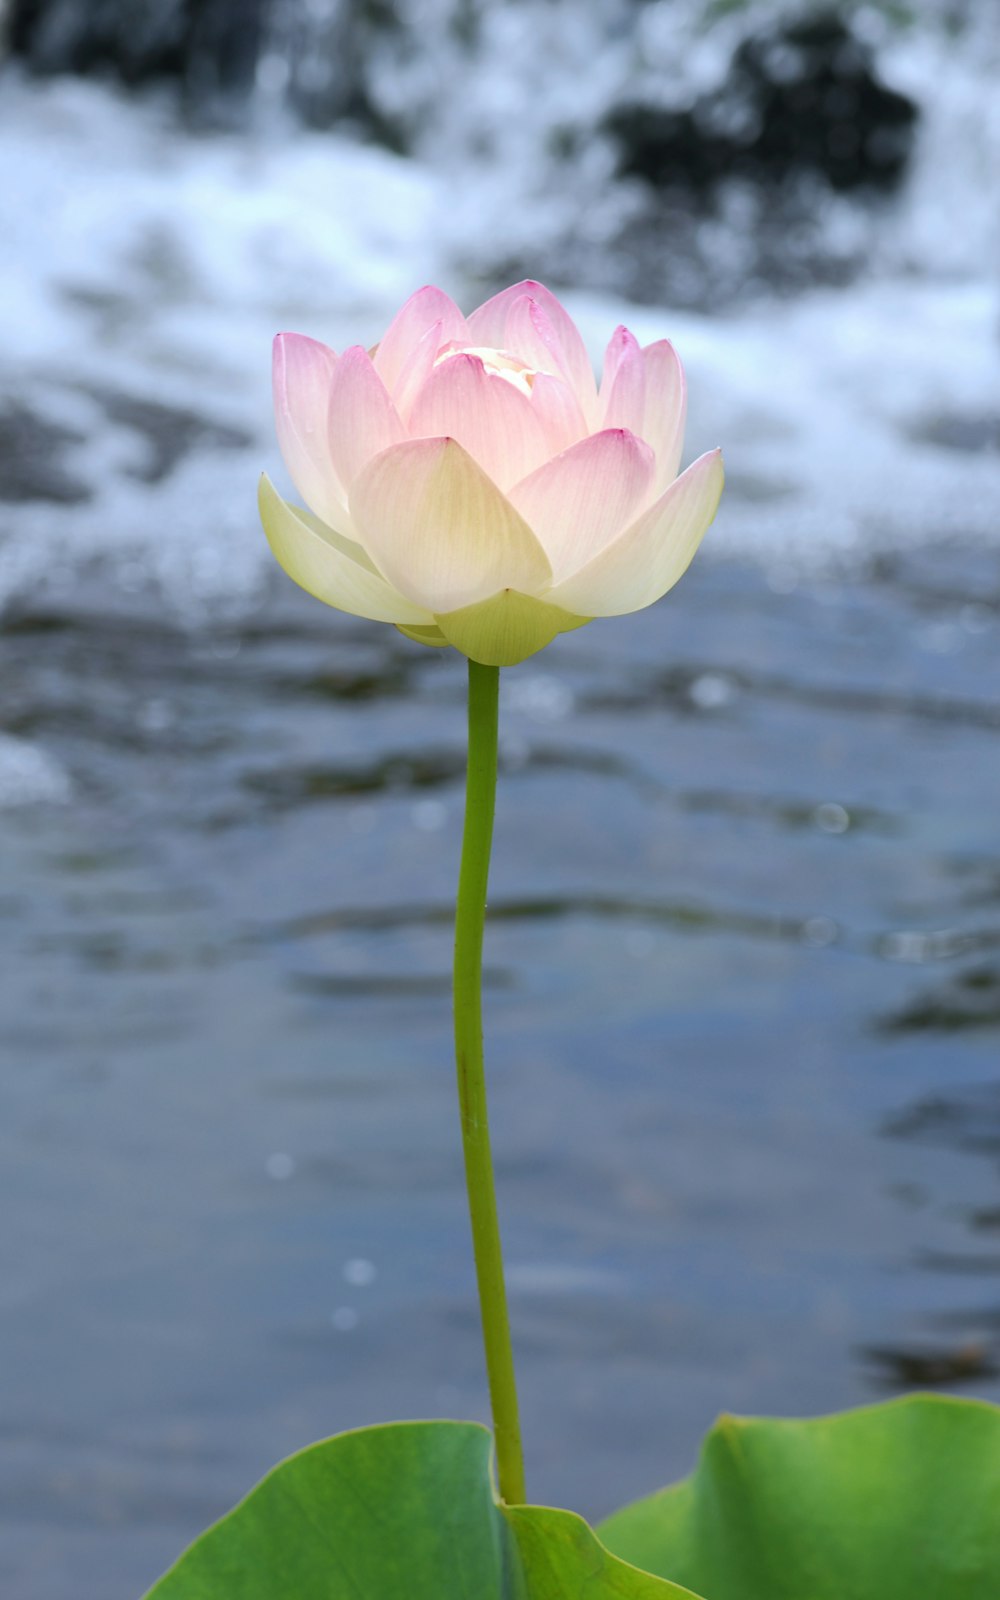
(742, 1010)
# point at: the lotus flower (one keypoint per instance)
(468, 481)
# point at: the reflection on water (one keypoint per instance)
(971, 999)
(908, 1368)
(961, 1342)
(742, 1018)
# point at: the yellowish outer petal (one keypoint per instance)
(649, 557)
(431, 636)
(441, 530)
(319, 561)
(506, 628)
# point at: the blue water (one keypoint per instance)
(742, 1014)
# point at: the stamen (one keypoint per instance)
(498, 364)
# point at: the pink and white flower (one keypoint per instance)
(468, 481)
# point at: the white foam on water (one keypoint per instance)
(146, 262)
(843, 416)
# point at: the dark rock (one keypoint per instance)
(138, 43)
(170, 432)
(972, 433)
(30, 468)
(32, 447)
(801, 97)
(218, 51)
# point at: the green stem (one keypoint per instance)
(470, 915)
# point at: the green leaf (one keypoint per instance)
(405, 1512)
(895, 1502)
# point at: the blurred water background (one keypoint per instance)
(744, 950)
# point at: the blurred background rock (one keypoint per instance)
(744, 992)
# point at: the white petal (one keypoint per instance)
(441, 530)
(580, 501)
(318, 560)
(649, 557)
(302, 372)
(363, 419)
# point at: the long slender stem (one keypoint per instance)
(470, 915)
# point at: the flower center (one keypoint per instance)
(497, 363)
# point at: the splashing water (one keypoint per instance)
(147, 267)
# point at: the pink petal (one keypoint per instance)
(489, 326)
(622, 400)
(302, 372)
(363, 419)
(649, 557)
(440, 529)
(666, 408)
(582, 500)
(411, 322)
(488, 416)
(530, 335)
(559, 412)
(417, 369)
